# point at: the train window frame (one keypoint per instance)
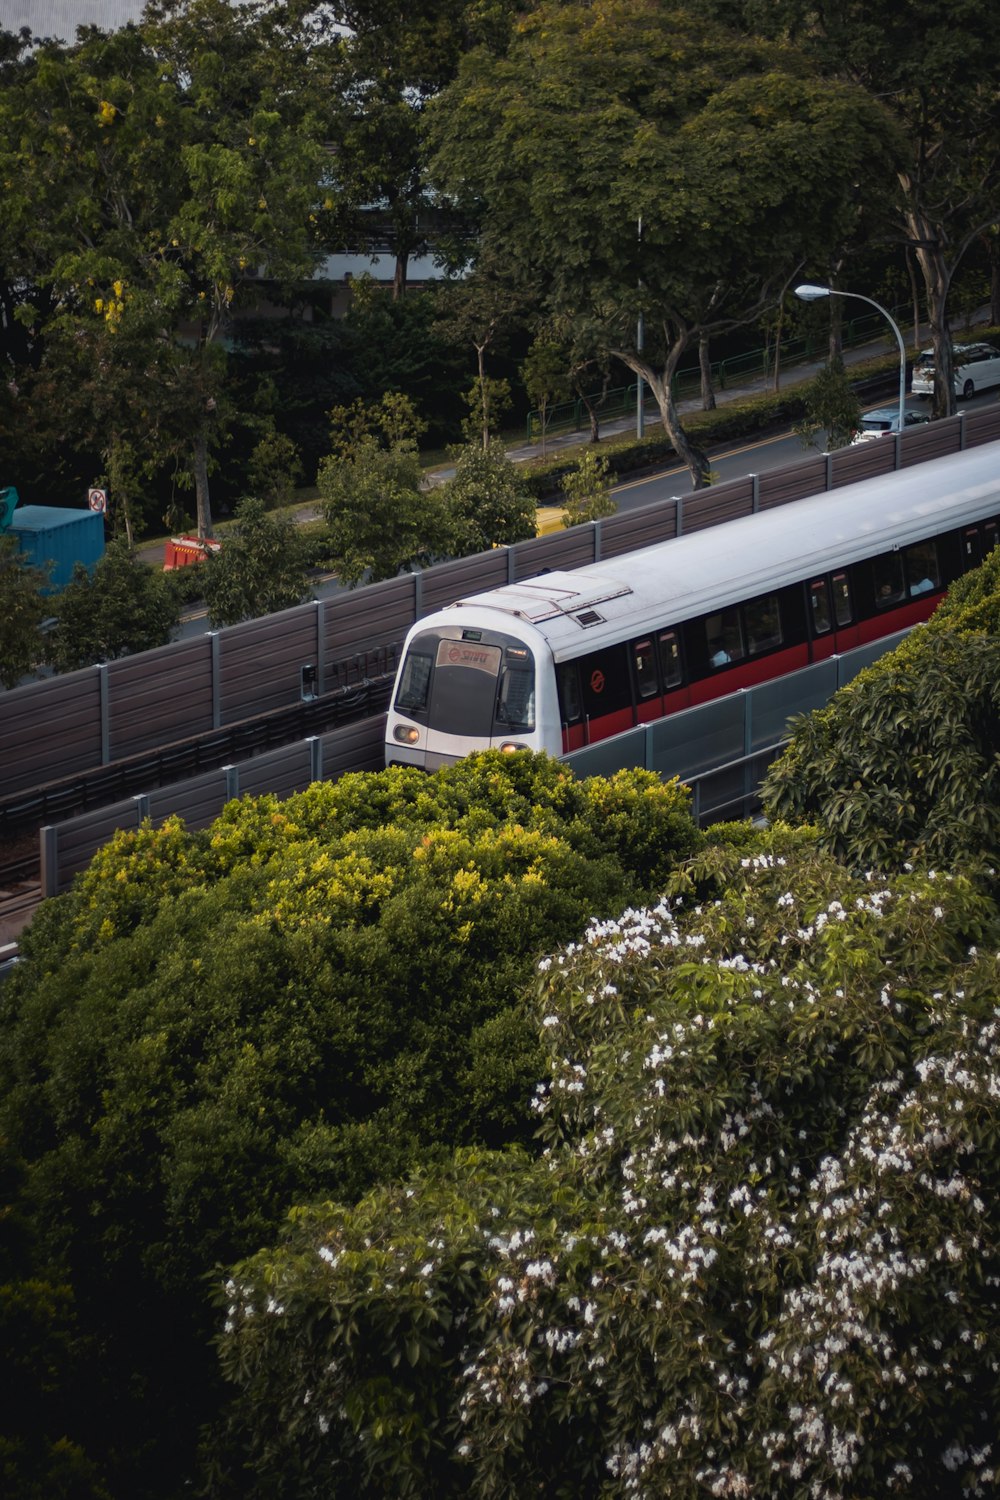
(647, 678)
(820, 588)
(568, 673)
(772, 641)
(508, 673)
(723, 637)
(674, 678)
(412, 708)
(888, 583)
(842, 616)
(922, 564)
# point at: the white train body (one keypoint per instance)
(564, 658)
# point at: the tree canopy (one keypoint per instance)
(756, 1258)
(306, 996)
(653, 160)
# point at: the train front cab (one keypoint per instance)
(462, 689)
(686, 663)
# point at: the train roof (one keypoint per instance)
(690, 575)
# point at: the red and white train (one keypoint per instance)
(564, 659)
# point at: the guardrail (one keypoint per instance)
(573, 416)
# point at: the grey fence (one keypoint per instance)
(68, 847)
(721, 749)
(107, 713)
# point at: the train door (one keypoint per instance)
(832, 616)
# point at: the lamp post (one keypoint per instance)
(809, 293)
(640, 398)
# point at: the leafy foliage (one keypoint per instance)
(304, 999)
(122, 607)
(759, 1257)
(488, 503)
(260, 569)
(902, 763)
(832, 407)
(587, 490)
(23, 609)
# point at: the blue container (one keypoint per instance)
(54, 540)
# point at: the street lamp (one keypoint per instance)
(809, 293)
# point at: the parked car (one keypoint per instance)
(875, 424)
(977, 366)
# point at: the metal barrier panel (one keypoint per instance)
(260, 662)
(794, 481)
(377, 615)
(50, 729)
(631, 530)
(464, 576)
(558, 551)
(719, 503)
(198, 801)
(150, 695)
(69, 847)
(697, 739)
(772, 704)
(356, 747)
(281, 772)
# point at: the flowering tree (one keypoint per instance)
(759, 1256)
(300, 1001)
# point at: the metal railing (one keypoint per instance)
(573, 416)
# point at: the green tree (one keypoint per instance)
(761, 1238)
(546, 378)
(260, 568)
(23, 609)
(736, 157)
(937, 79)
(487, 502)
(150, 174)
(587, 490)
(380, 519)
(299, 1000)
(832, 408)
(122, 607)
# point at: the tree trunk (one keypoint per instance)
(399, 276)
(202, 499)
(928, 248)
(660, 382)
(915, 295)
(705, 366)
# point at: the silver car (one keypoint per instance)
(875, 424)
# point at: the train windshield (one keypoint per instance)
(471, 688)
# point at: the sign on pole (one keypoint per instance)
(98, 500)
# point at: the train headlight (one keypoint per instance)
(509, 746)
(406, 734)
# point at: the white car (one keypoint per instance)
(875, 424)
(977, 366)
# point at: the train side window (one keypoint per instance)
(644, 665)
(724, 637)
(843, 608)
(888, 575)
(923, 571)
(568, 683)
(819, 606)
(763, 624)
(669, 648)
(414, 682)
(991, 535)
